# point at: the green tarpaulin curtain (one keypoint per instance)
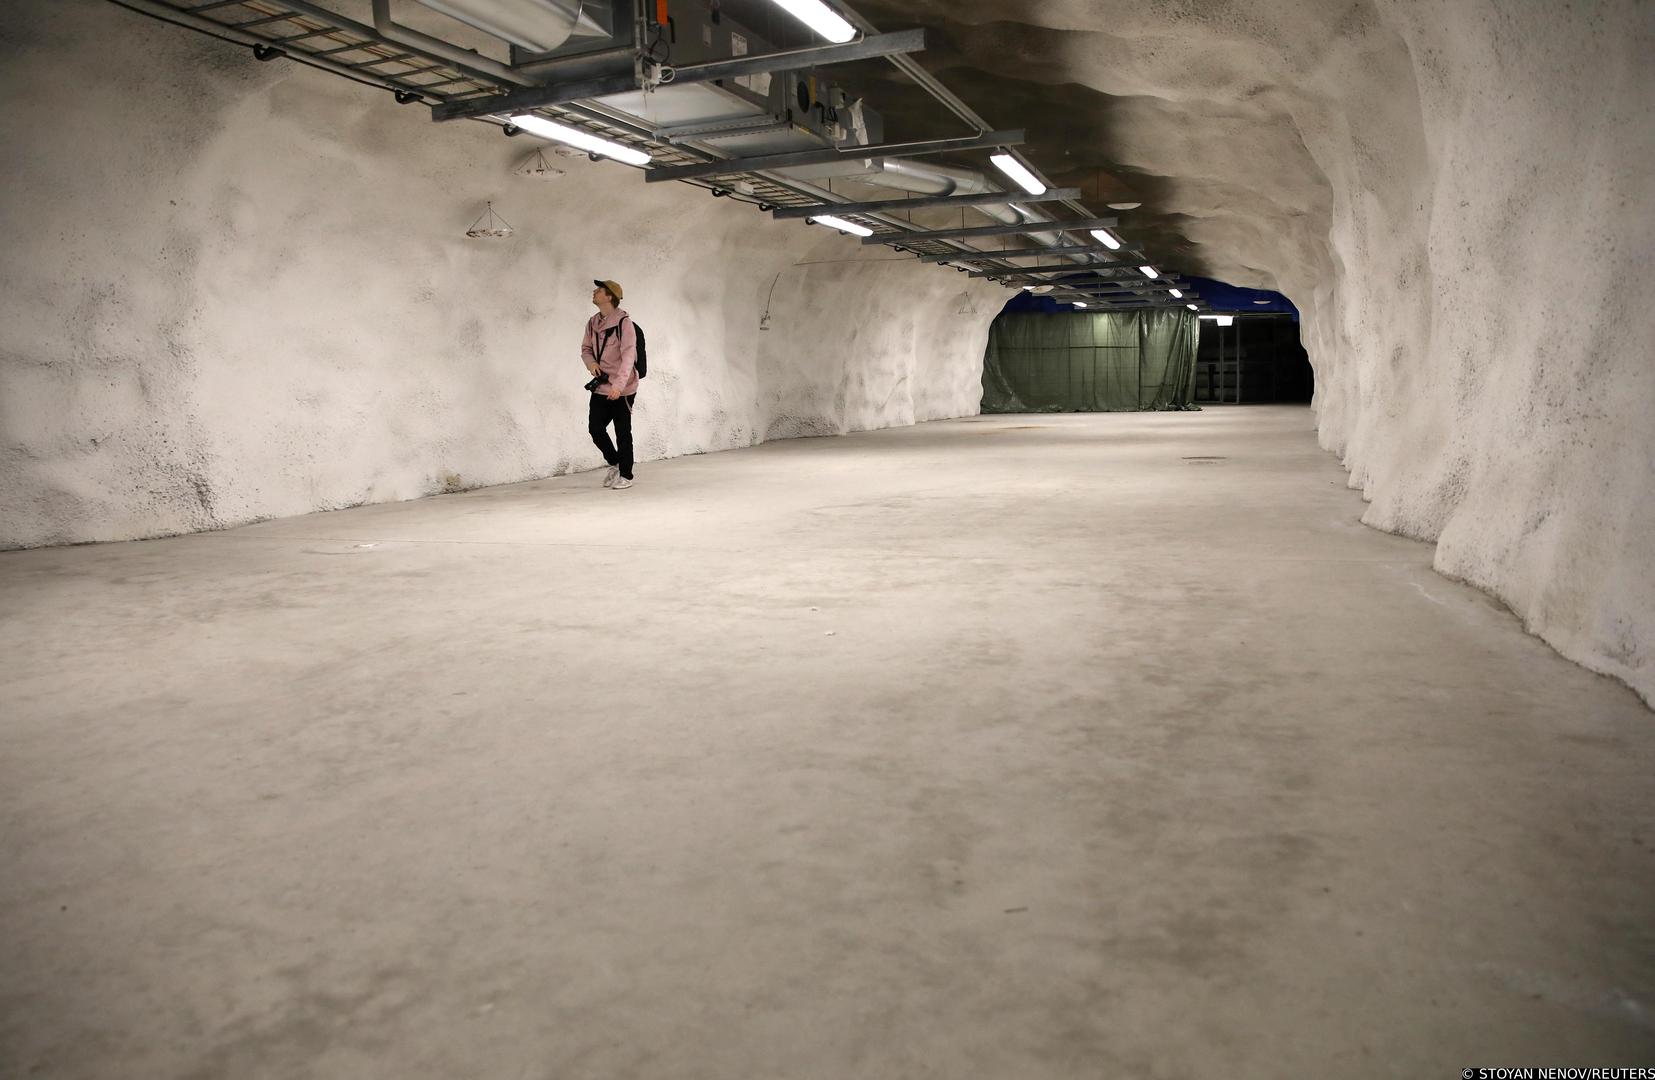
(1083, 361)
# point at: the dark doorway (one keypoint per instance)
(1257, 359)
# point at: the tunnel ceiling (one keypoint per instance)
(992, 55)
(1010, 72)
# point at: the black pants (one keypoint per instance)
(599, 416)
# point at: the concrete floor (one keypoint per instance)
(1014, 747)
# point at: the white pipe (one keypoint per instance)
(912, 176)
(930, 179)
(943, 180)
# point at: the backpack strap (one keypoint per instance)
(617, 330)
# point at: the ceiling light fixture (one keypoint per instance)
(1080, 303)
(1107, 239)
(1192, 307)
(842, 225)
(547, 129)
(1123, 205)
(1019, 173)
(820, 18)
(1176, 295)
(1148, 271)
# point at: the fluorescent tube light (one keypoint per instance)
(1192, 307)
(1023, 177)
(842, 225)
(585, 140)
(1176, 295)
(1079, 303)
(1148, 271)
(820, 18)
(1107, 239)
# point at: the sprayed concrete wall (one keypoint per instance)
(232, 290)
(1459, 197)
(236, 290)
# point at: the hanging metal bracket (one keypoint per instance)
(992, 230)
(893, 206)
(904, 41)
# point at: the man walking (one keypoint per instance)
(610, 351)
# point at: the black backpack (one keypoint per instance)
(643, 346)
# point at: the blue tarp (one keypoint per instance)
(1220, 296)
(1215, 295)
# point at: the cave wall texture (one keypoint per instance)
(1456, 193)
(235, 291)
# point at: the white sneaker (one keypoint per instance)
(621, 484)
(611, 475)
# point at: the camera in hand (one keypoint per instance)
(597, 380)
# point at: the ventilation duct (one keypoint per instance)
(769, 112)
(928, 179)
(772, 113)
(536, 25)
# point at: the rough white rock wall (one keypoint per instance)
(231, 290)
(234, 290)
(1458, 196)
(1533, 351)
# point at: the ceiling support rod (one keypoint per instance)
(729, 166)
(973, 256)
(1105, 294)
(1059, 268)
(893, 206)
(904, 41)
(992, 230)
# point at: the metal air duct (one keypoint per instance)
(945, 180)
(536, 25)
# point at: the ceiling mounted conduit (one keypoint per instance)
(693, 95)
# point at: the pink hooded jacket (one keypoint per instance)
(615, 352)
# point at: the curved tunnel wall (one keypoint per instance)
(1458, 198)
(240, 290)
(237, 290)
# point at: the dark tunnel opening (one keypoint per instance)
(1256, 360)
